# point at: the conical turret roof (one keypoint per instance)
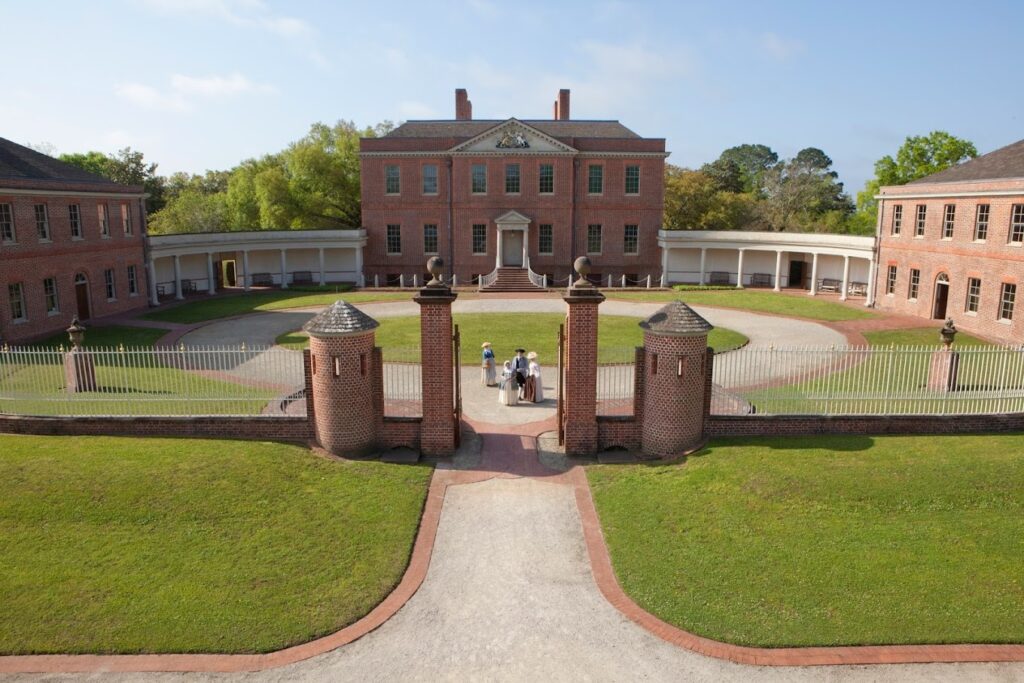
(677, 319)
(339, 319)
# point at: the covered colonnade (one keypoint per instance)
(207, 262)
(842, 264)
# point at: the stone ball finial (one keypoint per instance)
(76, 332)
(435, 266)
(582, 265)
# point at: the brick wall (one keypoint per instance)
(29, 260)
(401, 432)
(810, 425)
(994, 260)
(256, 428)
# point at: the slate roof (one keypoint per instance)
(472, 128)
(676, 318)
(24, 165)
(1005, 162)
(339, 319)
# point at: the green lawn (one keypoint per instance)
(826, 540)
(921, 336)
(752, 300)
(109, 336)
(226, 306)
(179, 545)
(400, 337)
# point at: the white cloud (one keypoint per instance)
(184, 91)
(779, 48)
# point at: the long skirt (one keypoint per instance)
(488, 377)
(530, 390)
(509, 394)
(538, 389)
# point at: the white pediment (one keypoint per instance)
(512, 137)
(511, 218)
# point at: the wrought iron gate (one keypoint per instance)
(457, 384)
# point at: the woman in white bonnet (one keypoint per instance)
(534, 378)
(509, 393)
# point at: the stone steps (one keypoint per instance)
(511, 280)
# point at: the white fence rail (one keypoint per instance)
(867, 381)
(615, 381)
(193, 381)
(403, 382)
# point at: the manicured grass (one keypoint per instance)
(753, 300)
(179, 545)
(400, 337)
(920, 336)
(226, 306)
(109, 336)
(826, 540)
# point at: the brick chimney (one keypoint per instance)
(562, 105)
(463, 107)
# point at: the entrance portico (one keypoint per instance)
(513, 240)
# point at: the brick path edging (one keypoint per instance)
(604, 576)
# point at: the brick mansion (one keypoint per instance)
(509, 204)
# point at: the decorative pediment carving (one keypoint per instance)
(515, 137)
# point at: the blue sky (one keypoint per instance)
(199, 84)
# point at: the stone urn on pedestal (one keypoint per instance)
(942, 371)
(79, 368)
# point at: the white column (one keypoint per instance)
(360, 278)
(739, 269)
(322, 281)
(154, 298)
(526, 247)
(814, 276)
(284, 270)
(177, 278)
(664, 266)
(245, 270)
(703, 259)
(497, 258)
(846, 277)
(778, 271)
(211, 281)
(872, 275)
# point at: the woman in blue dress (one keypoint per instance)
(488, 376)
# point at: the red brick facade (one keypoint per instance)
(954, 249)
(419, 151)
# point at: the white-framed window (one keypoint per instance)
(511, 178)
(75, 220)
(1006, 300)
(973, 295)
(42, 222)
(922, 213)
(133, 281)
(948, 219)
(50, 296)
(631, 239)
(981, 222)
(108, 280)
(7, 233)
(632, 179)
(430, 238)
(1017, 224)
(392, 179)
(595, 179)
(546, 239)
(478, 179)
(429, 178)
(890, 280)
(394, 239)
(915, 284)
(479, 238)
(101, 216)
(546, 179)
(16, 299)
(897, 219)
(593, 239)
(126, 218)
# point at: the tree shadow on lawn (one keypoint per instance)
(831, 442)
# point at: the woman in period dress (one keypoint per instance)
(488, 374)
(509, 394)
(534, 379)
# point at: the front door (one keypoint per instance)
(512, 248)
(796, 273)
(941, 299)
(82, 297)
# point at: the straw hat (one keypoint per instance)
(532, 355)
(485, 345)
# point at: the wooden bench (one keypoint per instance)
(858, 289)
(829, 285)
(302, 277)
(262, 280)
(718, 277)
(760, 280)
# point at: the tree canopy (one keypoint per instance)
(127, 167)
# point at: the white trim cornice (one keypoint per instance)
(953, 195)
(67, 193)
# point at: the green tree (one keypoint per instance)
(804, 194)
(127, 167)
(693, 201)
(191, 210)
(753, 161)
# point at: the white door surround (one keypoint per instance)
(513, 220)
